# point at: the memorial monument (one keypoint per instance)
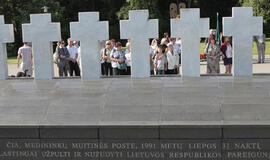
(160, 118)
(243, 52)
(130, 29)
(41, 32)
(89, 46)
(190, 27)
(6, 36)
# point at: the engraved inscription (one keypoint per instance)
(143, 149)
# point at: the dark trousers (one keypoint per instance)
(107, 69)
(160, 72)
(102, 69)
(115, 71)
(74, 67)
(171, 71)
(128, 72)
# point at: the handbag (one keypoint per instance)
(121, 66)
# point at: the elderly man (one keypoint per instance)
(73, 64)
(260, 41)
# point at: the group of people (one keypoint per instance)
(164, 56)
(115, 60)
(215, 49)
(67, 58)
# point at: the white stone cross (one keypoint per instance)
(139, 29)
(42, 32)
(190, 27)
(242, 26)
(6, 36)
(89, 30)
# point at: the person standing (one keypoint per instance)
(73, 64)
(260, 41)
(76, 45)
(118, 60)
(226, 49)
(152, 51)
(177, 52)
(128, 59)
(160, 61)
(106, 59)
(63, 59)
(172, 58)
(213, 54)
(25, 52)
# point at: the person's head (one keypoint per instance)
(166, 35)
(70, 42)
(154, 42)
(170, 47)
(214, 31)
(159, 49)
(172, 40)
(75, 43)
(108, 44)
(59, 43)
(113, 42)
(212, 41)
(118, 46)
(62, 43)
(164, 41)
(211, 31)
(227, 40)
(25, 43)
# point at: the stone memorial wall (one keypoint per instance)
(242, 26)
(112, 145)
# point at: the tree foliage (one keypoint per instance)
(17, 12)
(261, 8)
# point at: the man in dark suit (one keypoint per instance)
(62, 59)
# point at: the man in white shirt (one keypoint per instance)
(25, 52)
(73, 64)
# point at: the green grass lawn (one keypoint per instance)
(13, 60)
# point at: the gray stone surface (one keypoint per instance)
(242, 26)
(125, 101)
(190, 27)
(129, 132)
(139, 29)
(42, 32)
(19, 132)
(246, 132)
(89, 26)
(68, 132)
(6, 36)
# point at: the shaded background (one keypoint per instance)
(66, 11)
